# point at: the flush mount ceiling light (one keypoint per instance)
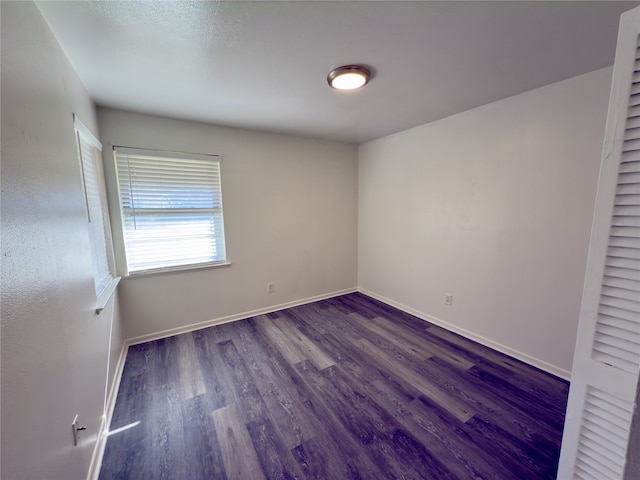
(349, 77)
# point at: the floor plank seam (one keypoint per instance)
(346, 387)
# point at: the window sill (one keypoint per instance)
(106, 295)
(180, 268)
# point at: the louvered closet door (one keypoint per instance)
(607, 358)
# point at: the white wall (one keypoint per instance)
(494, 206)
(290, 208)
(54, 347)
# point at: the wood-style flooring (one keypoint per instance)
(345, 388)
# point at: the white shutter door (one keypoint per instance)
(607, 356)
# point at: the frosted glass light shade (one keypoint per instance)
(349, 77)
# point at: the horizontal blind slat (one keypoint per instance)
(172, 209)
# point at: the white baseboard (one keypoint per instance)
(96, 460)
(536, 362)
(115, 383)
(232, 318)
(101, 443)
(98, 451)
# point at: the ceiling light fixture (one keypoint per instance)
(349, 77)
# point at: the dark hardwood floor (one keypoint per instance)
(345, 388)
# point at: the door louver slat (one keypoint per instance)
(624, 263)
(626, 221)
(622, 283)
(608, 342)
(629, 199)
(603, 436)
(606, 350)
(624, 242)
(624, 252)
(607, 356)
(634, 122)
(629, 178)
(617, 313)
(618, 323)
(617, 292)
(621, 303)
(630, 156)
(633, 166)
(625, 232)
(622, 273)
(616, 340)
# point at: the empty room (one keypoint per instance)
(320, 240)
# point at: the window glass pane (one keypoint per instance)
(171, 209)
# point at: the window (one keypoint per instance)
(89, 152)
(171, 207)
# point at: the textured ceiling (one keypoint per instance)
(263, 65)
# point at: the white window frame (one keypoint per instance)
(147, 176)
(99, 227)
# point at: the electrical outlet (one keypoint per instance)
(448, 299)
(270, 287)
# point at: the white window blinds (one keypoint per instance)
(89, 151)
(171, 206)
